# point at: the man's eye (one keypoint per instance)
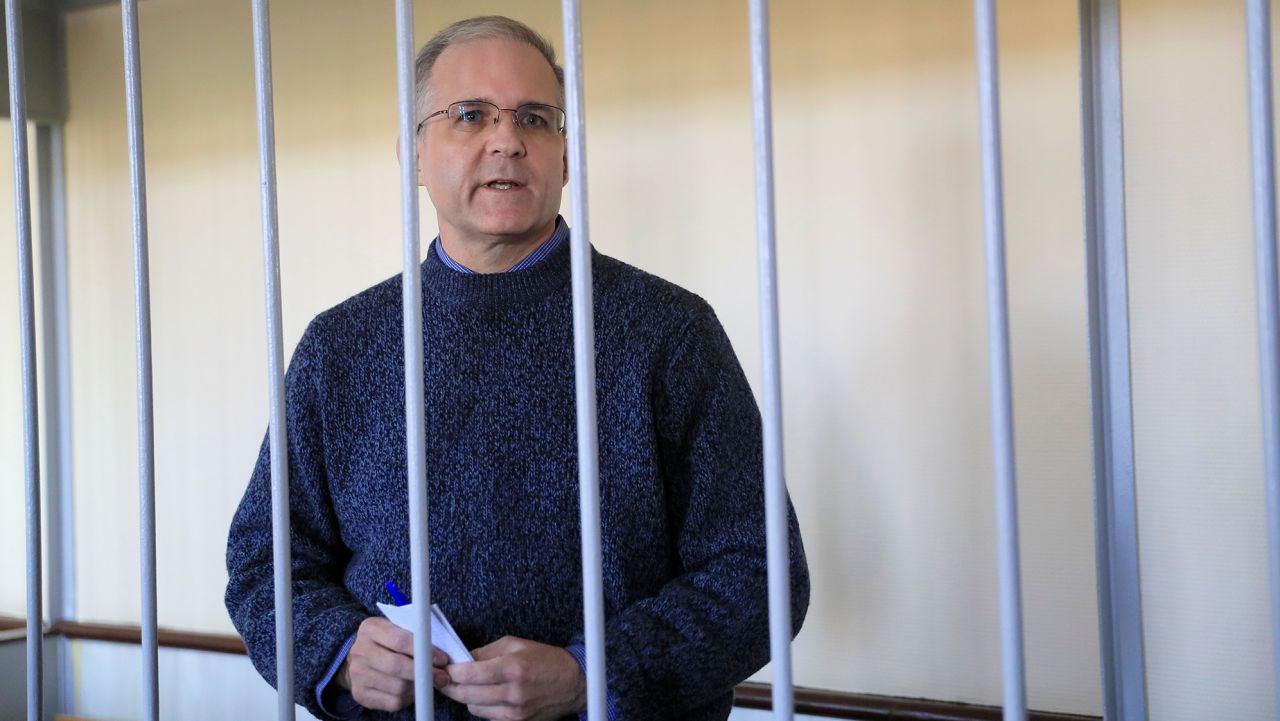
(471, 115)
(533, 120)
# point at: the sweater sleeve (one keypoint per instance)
(325, 615)
(708, 628)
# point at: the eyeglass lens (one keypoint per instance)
(475, 115)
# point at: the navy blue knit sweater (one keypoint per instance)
(680, 474)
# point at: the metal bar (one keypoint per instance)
(778, 555)
(414, 406)
(27, 343)
(1115, 497)
(55, 332)
(1262, 136)
(1014, 673)
(282, 562)
(142, 316)
(53, 222)
(584, 355)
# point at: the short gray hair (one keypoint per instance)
(485, 27)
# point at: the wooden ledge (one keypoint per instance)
(9, 623)
(196, 641)
(869, 707)
(810, 701)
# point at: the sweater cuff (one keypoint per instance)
(332, 698)
(579, 653)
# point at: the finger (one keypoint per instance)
(490, 712)
(439, 658)
(378, 700)
(388, 635)
(396, 687)
(387, 663)
(364, 677)
(501, 647)
(478, 672)
(492, 695)
(440, 678)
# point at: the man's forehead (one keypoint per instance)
(495, 71)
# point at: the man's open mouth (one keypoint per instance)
(503, 185)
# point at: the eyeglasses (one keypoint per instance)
(472, 116)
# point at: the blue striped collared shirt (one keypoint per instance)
(549, 246)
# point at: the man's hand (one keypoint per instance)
(517, 680)
(378, 670)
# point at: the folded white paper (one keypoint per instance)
(443, 636)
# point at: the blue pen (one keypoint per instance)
(396, 596)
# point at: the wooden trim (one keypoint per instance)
(10, 623)
(810, 701)
(215, 642)
(869, 707)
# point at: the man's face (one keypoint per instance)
(502, 183)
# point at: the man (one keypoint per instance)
(680, 460)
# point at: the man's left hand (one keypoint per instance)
(513, 679)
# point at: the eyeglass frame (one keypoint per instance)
(497, 118)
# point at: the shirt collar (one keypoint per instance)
(548, 246)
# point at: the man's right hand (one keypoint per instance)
(378, 670)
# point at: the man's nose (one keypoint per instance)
(504, 137)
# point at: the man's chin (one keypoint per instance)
(518, 232)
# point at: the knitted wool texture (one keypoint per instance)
(680, 484)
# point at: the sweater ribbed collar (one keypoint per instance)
(450, 287)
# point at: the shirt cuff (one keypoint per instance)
(333, 699)
(579, 653)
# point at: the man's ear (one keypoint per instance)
(422, 158)
(565, 180)
(422, 146)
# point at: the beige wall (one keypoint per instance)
(13, 562)
(882, 303)
(1195, 367)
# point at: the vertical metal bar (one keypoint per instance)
(415, 403)
(55, 332)
(27, 330)
(1115, 497)
(1262, 135)
(584, 354)
(142, 315)
(774, 481)
(281, 554)
(1014, 674)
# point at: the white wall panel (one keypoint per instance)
(1197, 419)
(195, 685)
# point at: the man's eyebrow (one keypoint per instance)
(484, 99)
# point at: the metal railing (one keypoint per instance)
(1120, 622)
